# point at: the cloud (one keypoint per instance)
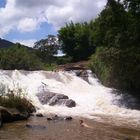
(29, 43)
(28, 15)
(27, 25)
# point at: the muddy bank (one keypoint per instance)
(66, 130)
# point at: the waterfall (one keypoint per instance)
(93, 100)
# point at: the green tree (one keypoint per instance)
(75, 40)
(117, 33)
(47, 48)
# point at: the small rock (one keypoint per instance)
(39, 115)
(68, 118)
(49, 119)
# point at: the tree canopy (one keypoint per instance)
(47, 48)
(76, 40)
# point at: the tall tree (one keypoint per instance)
(111, 25)
(47, 48)
(75, 40)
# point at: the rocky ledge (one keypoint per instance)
(13, 114)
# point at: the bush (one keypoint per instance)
(63, 60)
(15, 100)
(117, 68)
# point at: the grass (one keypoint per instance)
(12, 100)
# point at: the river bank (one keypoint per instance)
(71, 130)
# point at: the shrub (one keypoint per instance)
(15, 100)
(117, 68)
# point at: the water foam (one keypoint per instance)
(92, 99)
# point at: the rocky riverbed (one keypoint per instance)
(43, 129)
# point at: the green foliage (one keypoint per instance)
(111, 25)
(47, 48)
(19, 57)
(117, 34)
(117, 68)
(76, 40)
(63, 60)
(50, 67)
(14, 100)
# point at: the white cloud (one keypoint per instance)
(29, 43)
(27, 25)
(27, 15)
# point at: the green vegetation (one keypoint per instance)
(46, 49)
(14, 100)
(115, 35)
(19, 57)
(76, 40)
(117, 68)
(117, 60)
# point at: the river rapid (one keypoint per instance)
(93, 100)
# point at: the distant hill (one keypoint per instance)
(5, 43)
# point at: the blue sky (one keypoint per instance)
(27, 21)
(2, 3)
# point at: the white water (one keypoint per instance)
(93, 100)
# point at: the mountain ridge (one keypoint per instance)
(5, 43)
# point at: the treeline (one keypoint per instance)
(113, 39)
(40, 57)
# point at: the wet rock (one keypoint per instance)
(66, 102)
(39, 115)
(49, 119)
(70, 103)
(35, 126)
(61, 96)
(45, 97)
(30, 107)
(83, 74)
(68, 118)
(59, 118)
(56, 99)
(56, 118)
(9, 115)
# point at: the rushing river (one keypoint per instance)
(93, 100)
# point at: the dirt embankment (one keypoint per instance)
(82, 65)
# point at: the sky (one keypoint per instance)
(27, 21)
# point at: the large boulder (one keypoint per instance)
(45, 97)
(55, 99)
(12, 114)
